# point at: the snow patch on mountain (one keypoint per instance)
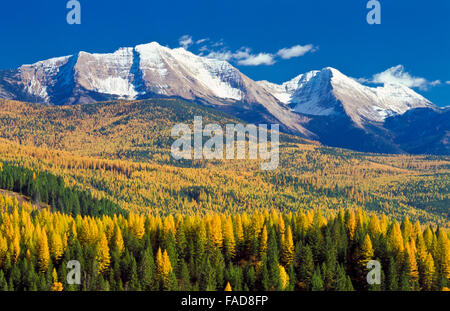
(36, 78)
(108, 73)
(329, 92)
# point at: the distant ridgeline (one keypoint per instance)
(43, 187)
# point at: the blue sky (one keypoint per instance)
(412, 33)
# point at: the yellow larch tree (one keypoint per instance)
(163, 266)
(365, 253)
(3, 249)
(43, 251)
(228, 287)
(413, 268)
(428, 272)
(118, 241)
(239, 231)
(228, 238)
(284, 278)
(56, 286)
(215, 231)
(374, 226)
(103, 257)
(136, 224)
(15, 248)
(395, 239)
(56, 246)
(263, 242)
(287, 248)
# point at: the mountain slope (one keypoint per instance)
(146, 71)
(322, 105)
(140, 130)
(329, 92)
(422, 130)
(345, 113)
(121, 151)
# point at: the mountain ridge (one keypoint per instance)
(319, 105)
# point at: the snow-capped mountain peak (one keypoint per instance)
(300, 105)
(330, 92)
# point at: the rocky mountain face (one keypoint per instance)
(329, 92)
(422, 131)
(324, 105)
(146, 71)
(345, 113)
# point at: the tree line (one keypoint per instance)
(267, 250)
(43, 187)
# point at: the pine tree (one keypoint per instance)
(413, 273)
(306, 268)
(272, 262)
(443, 255)
(316, 281)
(147, 271)
(3, 282)
(392, 278)
(185, 278)
(341, 279)
(428, 273)
(350, 223)
(365, 254)
(287, 255)
(228, 239)
(239, 231)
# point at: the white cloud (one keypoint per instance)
(448, 82)
(258, 59)
(220, 55)
(201, 41)
(397, 75)
(244, 55)
(435, 82)
(185, 41)
(220, 43)
(295, 51)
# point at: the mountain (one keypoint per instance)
(323, 105)
(121, 151)
(146, 71)
(422, 130)
(329, 92)
(346, 113)
(132, 129)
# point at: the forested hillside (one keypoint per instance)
(134, 130)
(265, 250)
(120, 151)
(107, 192)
